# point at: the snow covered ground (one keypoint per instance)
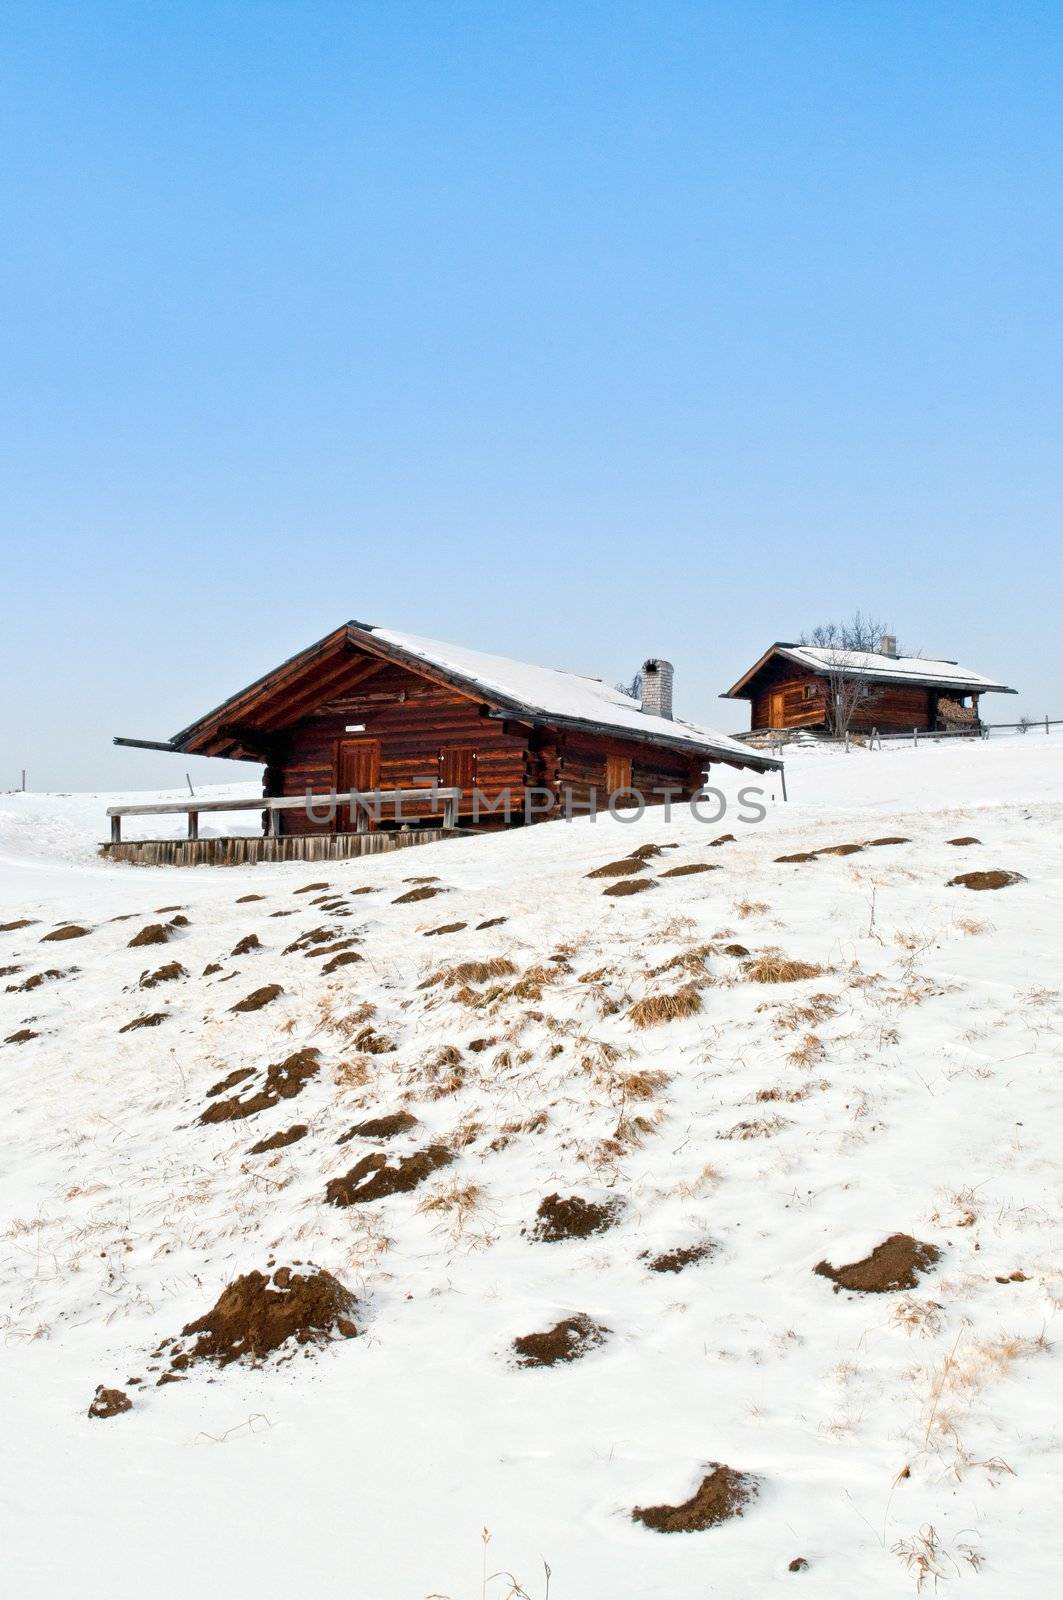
(912, 1085)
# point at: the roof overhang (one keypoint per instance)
(929, 680)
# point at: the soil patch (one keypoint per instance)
(626, 867)
(799, 855)
(373, 1179)
(889, 839)
(630, 886)
(893, 1264)
(72, 930)
(152, 1020)
(574, 1218)
(153, 933)
(565, 1341)
(13, 927)
(734, 950)
(333, 948)
(427, 891)
(258, 998)
(724, 838)
(839, 849)
(35, 980)
(167, 974)
(347, 958)
(492, 922)
(965, 838)
(996, 879)
(693, 866)
(23, 1036)
(239, 1076)
(445, 927)
(312, 888)
(245, 899)
(722, 1494)
(280, 1141)
(109, 1402)
(250, 941)
(257, 1315)
(380, 1127)
(9, 972)
(284, 1080)
(685, 1256)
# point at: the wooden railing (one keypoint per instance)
(366, 806)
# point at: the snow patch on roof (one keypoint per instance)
(552, 693)
(870, 664)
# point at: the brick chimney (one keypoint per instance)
(887, 645)
(657, 687)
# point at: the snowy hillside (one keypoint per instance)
(494, 1093)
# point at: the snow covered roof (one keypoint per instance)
(554, 695)
(873, 665)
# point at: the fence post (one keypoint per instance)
(116, 830)
(915, 736)
(1046, 724)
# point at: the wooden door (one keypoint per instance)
(457, 770)
(778, 714)
(357, 767)
(617, 773)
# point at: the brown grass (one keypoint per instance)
(659, 1008)
(751, 908)
(771, 966)
(643, 1085)
(469, 972)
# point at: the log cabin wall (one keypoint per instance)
(787, 696)
(423, 731)
(897, 707)
(587, 761)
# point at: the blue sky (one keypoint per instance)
(577, 332)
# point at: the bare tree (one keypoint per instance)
(846, 647)
(634, 688)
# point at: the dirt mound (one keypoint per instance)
(345, 959)
(996, 879)
(799, 855)
(889, 838)
(152, 933)
(13, 927)
(630, 886)
(492, 922)
(445, 927)
(839, 849)
(574, 1218)
(373, 1179)
(167, 974)
(427, 891)
(109, 1402)
(256, 1315)
(152, 1020)
(72, 930)
(893, 1264)
(565, 1341)
(280, 1141)
(250, 941)
(284, 1080)
(311, 888)
(35, 980)
(964, 838)
(684, 1256)
(734, 950)
(239, 1076)
(258, 998)
(333, 948)
(380, 1127)
(694, 866)
(245, 899)
(626, 867)
(723, 1493)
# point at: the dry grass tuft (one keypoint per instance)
(809, 1053)
(791, 1096)
(757, 1128)
(658, 1008)
(643, 1085)
(463, 973)
(771, 966)
(751, 908)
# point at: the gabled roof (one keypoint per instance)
(515, 689)
(875, 667)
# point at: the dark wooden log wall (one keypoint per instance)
(888, 706)
(581, 764)
(416, 723)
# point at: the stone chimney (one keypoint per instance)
(657, 687)
(887, 645)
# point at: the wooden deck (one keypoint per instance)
(239, 851)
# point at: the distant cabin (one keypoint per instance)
(791, 686)
(369, 709)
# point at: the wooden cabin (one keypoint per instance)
(792, 685)
(372, 710)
